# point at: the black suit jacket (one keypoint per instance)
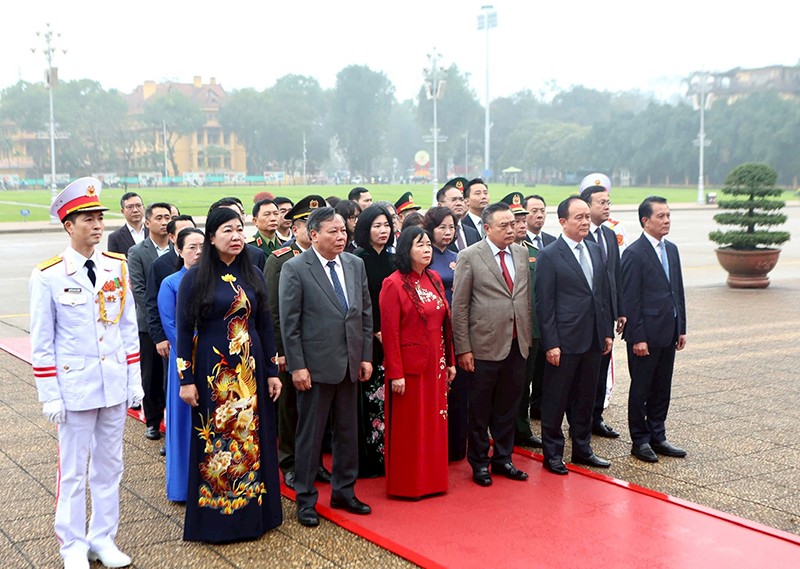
(120, 240)
(614, 271)
(546, 238)
(655, 306)
(471, 236)
(571, 315)
(161, 268)
(257, 256)
(466, 221)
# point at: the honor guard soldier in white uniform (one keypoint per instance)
(85, 345)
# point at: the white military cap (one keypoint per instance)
(596, 179)
(81, 195)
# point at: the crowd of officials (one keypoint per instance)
(396, 339)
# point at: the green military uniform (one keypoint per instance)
(268, 246)
(523, 429)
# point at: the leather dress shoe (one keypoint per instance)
(603, 430)
(323, 475)
(555, 465)
(308, 517)
(644, 452)
(163, 450)
(666, 449)
(591, 460)
(509, 471)
(532, 441)
(288, 478)
(352, 505)
(482, 477)
(152, 433)
(110, 557)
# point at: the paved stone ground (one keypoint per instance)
(735, 407)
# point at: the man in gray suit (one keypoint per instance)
(326, 327)
(140, 259)
(492, 332)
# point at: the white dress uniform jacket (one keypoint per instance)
(85, 338)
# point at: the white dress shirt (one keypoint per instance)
(509, 259)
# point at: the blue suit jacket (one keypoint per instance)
(571, 315)
(655, 306)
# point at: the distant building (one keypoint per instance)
(210, 149)
(732, 85)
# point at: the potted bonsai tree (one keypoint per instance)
(748, 252)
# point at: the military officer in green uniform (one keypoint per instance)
(287, 403)
(266, 217)
(523, 435)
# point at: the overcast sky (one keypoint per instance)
(615, 45)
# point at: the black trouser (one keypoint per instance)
(152, 367)
(599, 394)
(537, 378)
(287, 423)
(571, 384)
(458, 415)
(648, 399)
(523, 424)
(493, 401)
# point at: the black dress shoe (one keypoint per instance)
(288, 478)
(532, 441)
(352, 505)
(666, 449)
(603, 430)
(591, 460)
(556, 466)
(644, 452)
(152, 433)
(509, 471)
(482, 477)
(163, 451)
(308, 517)
(323, 475)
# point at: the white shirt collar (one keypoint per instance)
(653, 241)
(572, 243)
(325, 261)
(495, 249)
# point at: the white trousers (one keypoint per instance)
(97, 432)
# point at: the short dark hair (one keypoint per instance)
(435, 216)
(226, 202)
(365, 221)
(646, 207)
(563, 207)
(333, 200)
(488, 212)
(280, 200)
(148, 212)
(442, 192)
(171, 224)
(261, 203)
(471, 183)
(176, 208)
(356, 192)
(402, 253)
(317, 217)
(534, 197)
(411, 219)
(126, 196)
(586, 195)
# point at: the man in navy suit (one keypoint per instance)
(574, 313)
(652, 285)
(476, 194)
(594, 190)
(134, 230)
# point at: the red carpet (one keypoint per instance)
(578, 520)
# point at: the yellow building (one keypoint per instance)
(211, 149)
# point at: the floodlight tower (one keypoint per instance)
(702, 81)
(434, 89)
(487, 20)
(49, 52)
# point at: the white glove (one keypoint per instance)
(55, 411)
(135, 396)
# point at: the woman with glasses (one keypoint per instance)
(350, 211)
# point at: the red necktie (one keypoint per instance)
(506, 274)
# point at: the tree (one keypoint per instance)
(243, 114)
(175, 113)
(405, 136)
(362, 103)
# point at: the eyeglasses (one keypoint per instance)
(604, 202)
(353, 217)
(131, 206)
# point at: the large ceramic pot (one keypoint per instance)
(748, 269)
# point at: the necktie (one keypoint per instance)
(337, 286)
(538, 242)
(460, 244)
(90, 271)
(584, 261)
(602, 242)
(664, 260)
(504, 269)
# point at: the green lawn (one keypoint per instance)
(195, 201)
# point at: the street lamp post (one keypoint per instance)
(702, 81)
(49, 51)
(434, 89)
(487, 20)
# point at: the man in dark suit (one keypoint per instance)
(594, 190)
(652, 284)
(492, 333)
(134, 231)
(140, 261)
(572, 306)
(452, 195)
(476, 194)
(538, 239)
(326, 329)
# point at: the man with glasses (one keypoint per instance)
(133, 231)
(452, 195)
